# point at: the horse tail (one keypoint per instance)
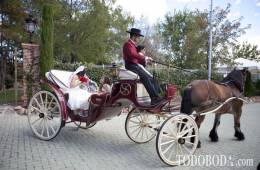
(186, 104)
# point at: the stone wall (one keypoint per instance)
(31, 71)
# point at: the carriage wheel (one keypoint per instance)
(44, 115)
(84, 125)
(139, 126)
(173, 142)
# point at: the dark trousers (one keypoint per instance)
(149, 82)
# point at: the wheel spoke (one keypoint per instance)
(35, 108)
(134, 122)
(40, 124)
(186, 141)
(43, 127)
(37, 103)
(42, 100)
(46, 100)
(47, 128)
(146, 133)
(167, 149)
(166, 135)
(133, 116)
(142, 133)
(180, 149)
(185, 147)
(165, 143)
(189, 136)
(52, 129)
(53, 108)
(138, 117)
(135, 130)
(50, 103)
(133, 126)
(170, 155)
(36, 121)
(183, 133)
(152, 131)
(138, 132)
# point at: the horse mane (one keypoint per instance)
(235, 78)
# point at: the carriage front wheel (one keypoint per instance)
(44, 115)
(177, 139)
(140, 126)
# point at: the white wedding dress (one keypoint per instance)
(79, 96)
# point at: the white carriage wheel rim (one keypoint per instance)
(139, 126)
(173, 143)
(48, 126)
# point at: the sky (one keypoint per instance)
(154, 10)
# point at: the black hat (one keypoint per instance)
(135, 31)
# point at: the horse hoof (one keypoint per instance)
(239, 135)
(213, 136)
(199, 144)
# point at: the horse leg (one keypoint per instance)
(238, 133)
(213, 133)
(198, 120)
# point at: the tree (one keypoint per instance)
(246, 50)
(12, 15)
(46, 56)
(186, 37)
(90, 31)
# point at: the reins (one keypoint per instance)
(173, 66)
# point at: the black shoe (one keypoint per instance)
(156, 100)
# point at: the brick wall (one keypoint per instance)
(31, 70)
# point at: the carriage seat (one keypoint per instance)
(124, 74)
(60, 78)
(99, 99)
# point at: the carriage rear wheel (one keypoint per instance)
(140, 126)
(44, 115)
(173, 142)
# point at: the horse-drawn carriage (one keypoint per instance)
(177, 134)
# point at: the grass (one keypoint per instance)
(9, 96)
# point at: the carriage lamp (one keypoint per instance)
(30, 26)
(114, 72)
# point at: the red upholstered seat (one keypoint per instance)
(99, 99)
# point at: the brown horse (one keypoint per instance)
(203, 95)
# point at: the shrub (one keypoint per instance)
(249, 88)
(257, 87)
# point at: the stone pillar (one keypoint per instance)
(31, 71)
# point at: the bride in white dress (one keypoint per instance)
(79, 92)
